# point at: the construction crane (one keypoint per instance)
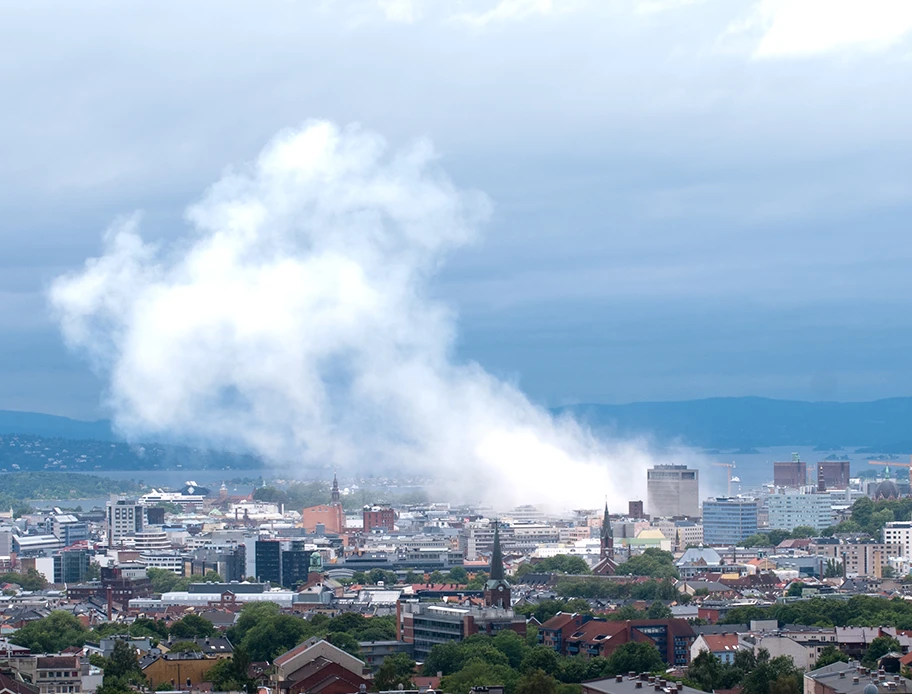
(890, 463)
(730, 466)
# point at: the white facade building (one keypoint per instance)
(899, 533)
(790, 509)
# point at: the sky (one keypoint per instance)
(688, 198)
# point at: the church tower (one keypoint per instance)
(606, 565)
(497, 590)
(606, 539)
(335, 490)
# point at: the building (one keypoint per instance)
(426, 624)
(328, 517)
(899, 533)
(792, 508)
(673, 490)
(57, 673)
(228, 562)
(857, 558)
(598, 637)
(635, 509)
(283, 562)
(125, 517)
(190, 493)
(71, 566)
(318, 666)
(606, 565)
(851, 678)
(722, 646)
(791, 474)
(729, 520)
(381, 518)
(555, 632)
(185, 670)
(639, 683)
(834, 474)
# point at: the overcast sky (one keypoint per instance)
(690, 198)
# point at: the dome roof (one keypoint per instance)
(887, 489)
(870, 688)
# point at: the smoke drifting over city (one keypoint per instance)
(293, 319)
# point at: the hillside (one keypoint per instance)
(880, 426)
(52, 426)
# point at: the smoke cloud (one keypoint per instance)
(294, 319)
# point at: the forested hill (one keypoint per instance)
(884, 426)
(52, 426)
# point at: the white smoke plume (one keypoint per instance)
(294, 319)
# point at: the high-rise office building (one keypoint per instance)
(125, 517)
(283, 562)
(834, 474)
(728, 520)
(673, 490)
(71, 566)
(794, 508)
(792, 473)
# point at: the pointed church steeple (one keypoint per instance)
(497, 590)
(606, 539)
(497, 568)
(335, 489)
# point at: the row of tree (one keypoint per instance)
(860, 610)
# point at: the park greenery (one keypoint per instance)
(523, 666)
(756, 674)
(652, 562)
(860, 610)
(558, 564)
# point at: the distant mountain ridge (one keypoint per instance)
(882, 426)
(879, 425)
(53, 426)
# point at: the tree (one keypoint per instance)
(123, 662)
(635, 657)
(396, 669)
(830, 655)
(706, 671)
(888, 572)
(31, 579)
(794, 589)
(52, 634)
(457, 575)
(360, 577)
(540, 658)
(511, 645)
(478, 674)
(192, 626)
(833, 569)
(436, 577)
(653, 562)
(185, 647)
(658, 610)
(773, 675)
(802, 532)
(445, 658)
(536, 682)
(880, 647)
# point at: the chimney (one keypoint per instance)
(639, 685)
(680, 687)
(110, 603)
(854, 680)
(619, 678)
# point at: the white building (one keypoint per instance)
(792, 508)
(125, 517)
(899, 533)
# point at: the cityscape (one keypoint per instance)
(455, 347)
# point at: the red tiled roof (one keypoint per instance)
(559, 621)
(721, 642)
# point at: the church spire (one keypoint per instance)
(497, 567)
(335, 488)
(606, 543)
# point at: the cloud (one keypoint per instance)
(508, 10)
(405, 11)
(294, 319)
(810, 27)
